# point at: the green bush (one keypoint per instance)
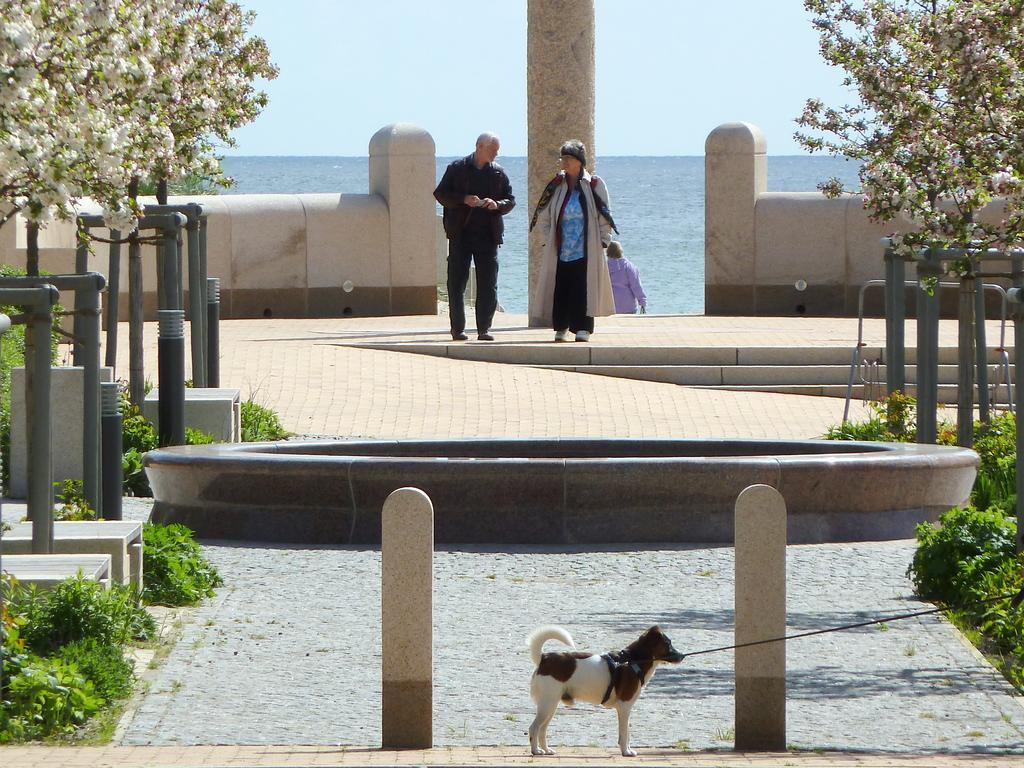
(260, 423)
(893, 421)
(78, 609)
(73, 504)
(951, 557)
(61, 654)
(43, 697)
(176, 573)
(966, 561)
(198, 437)
(103, 665)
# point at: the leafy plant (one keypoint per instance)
(61, 653)
(104, 665)
(260, 423)
(965, 562)
(74, 505)
(176, 572)
(43, 697)
(893, 420)
(198, 437)
(78, 609)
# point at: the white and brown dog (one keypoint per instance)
(610, 679)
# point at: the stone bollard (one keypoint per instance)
(407, 647)
(760, 615)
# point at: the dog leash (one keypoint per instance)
(1015, 601)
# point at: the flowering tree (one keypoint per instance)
(95, 94)
(937, 129)
(71, 76)
(207, 84)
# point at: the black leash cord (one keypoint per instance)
(1016, 601)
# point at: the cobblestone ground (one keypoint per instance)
(288, 652)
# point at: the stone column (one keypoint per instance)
(560, 99)
(760, 615)
(403, 172)
(735, 173)
(407, 628)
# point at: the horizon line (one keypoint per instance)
(359, 157)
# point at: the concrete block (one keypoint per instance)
(407, 642)
(66, 409)
(787, 249)
(760, 615)
(343, 232)
(214, 411)
(268, 241)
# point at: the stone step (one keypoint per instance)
(741, 375)
(572, 354)
(947, 393)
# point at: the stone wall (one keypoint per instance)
(301, 255)
(789, 253)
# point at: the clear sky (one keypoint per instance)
(668, 72)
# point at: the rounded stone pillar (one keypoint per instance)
(559, 96)
(403, 172)
(735, 174)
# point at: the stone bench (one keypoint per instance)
(215, 411)
(47, 571)
(120, 540)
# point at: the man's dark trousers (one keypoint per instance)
(479, 248)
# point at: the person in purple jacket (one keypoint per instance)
(626, 286)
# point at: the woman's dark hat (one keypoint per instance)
(575, 149)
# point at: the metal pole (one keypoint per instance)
(197, 313)
(89, 314)
(38, 416)
(113, 296)
(981, 349)
(169, 268)
(927, 352)
(1018, 361)
(895, 316)
(136, 353)
(203, 275)
(112, 447)
(171, 374)
(81, 267)
(213, 331)
(965, 367)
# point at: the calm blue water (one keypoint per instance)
(658, 203)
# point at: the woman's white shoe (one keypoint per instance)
(582, 335)
(561, 335)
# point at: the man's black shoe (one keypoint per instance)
(459, 337)
(485, 336)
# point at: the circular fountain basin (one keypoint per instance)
(525, 491)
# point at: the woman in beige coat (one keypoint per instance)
(575, 224)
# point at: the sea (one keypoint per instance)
(657, 202)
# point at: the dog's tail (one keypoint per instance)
(542, 635)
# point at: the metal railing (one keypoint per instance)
(871, 380)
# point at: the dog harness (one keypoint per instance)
(617, 661)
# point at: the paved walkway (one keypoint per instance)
(283, 665)
(310, 374)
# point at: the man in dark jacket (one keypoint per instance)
(475, 193)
